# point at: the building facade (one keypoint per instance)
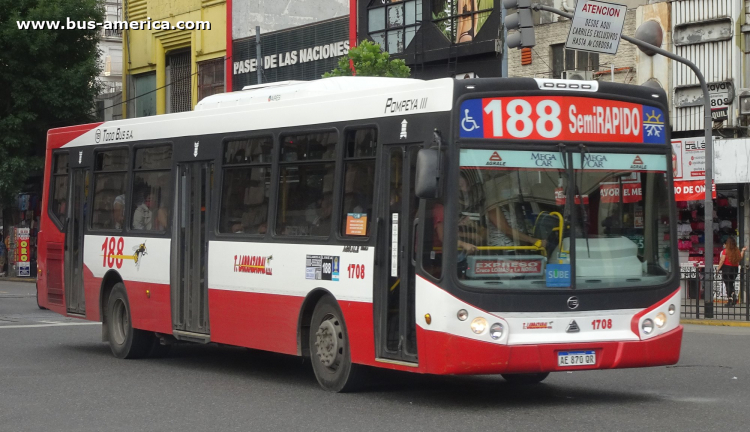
(167, 71)
(299, 40)
(109, 101)
(550, 59)
(436, 38)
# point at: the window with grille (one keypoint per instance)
(210, 78)
(393, 23)
(565, 59)
(461, 20)
(178, 74)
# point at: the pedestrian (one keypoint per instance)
(729, 264)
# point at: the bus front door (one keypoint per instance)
(190, 284)
(395, 293)
(77, 203)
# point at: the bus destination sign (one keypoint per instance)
(559, 118)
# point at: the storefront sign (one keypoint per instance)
(299, 53)
(596, 27)
(691, 190)
(23, 249)
(689, 168)
(631, 192)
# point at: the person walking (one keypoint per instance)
(729, 264)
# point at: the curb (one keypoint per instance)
(711, 322)
(18, 279)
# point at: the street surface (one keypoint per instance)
(57, 375)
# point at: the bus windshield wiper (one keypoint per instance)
(584, 215)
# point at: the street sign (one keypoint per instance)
(596, 27)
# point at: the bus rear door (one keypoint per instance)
(190, 250)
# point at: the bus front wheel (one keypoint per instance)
(533, 378)
(124, 340)
(329, 348)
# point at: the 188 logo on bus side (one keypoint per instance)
(113, 253)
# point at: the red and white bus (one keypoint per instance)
(313, 219)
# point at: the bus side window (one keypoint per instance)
(359, 181)
(246, 186)
(110, 185)
(152, 193)
(59, 194)
(306, 181)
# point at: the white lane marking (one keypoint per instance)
(62, 324)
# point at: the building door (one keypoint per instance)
(77, 205)
(394, 295)
(190, 286)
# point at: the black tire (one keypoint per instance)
(533, 378)
(329, 349)
(125, 341)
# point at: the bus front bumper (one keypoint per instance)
(444, 353)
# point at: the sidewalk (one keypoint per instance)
(715, 322)
(17, 279)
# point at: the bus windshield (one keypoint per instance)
(515, 222)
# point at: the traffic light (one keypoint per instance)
(522, 21)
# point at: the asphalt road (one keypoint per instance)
(56, 375)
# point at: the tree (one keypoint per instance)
(47, 80)
(369, 60)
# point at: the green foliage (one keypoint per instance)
(47, 80)
(370, 60)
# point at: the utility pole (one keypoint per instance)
(258, 55)
(708, 253)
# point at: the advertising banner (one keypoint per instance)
(23, 266)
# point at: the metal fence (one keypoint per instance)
(722, 305)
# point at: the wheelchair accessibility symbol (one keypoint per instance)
(468, 123)
(471, 119)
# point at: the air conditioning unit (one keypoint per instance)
(578, 75)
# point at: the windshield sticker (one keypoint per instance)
(510, 159)
(499, 159)
(561, 119)
(558, 275)
(624, 162)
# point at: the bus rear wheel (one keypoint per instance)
(329, 348)
(125, 341)
(534, 378)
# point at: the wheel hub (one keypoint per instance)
(327, 343)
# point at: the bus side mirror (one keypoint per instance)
(426, 185)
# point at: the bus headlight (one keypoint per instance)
(647, 326)
(660, 320)
(671, 309)
(496, 331)
(462, 315)
(479, 325)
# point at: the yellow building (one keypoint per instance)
(170, 70)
